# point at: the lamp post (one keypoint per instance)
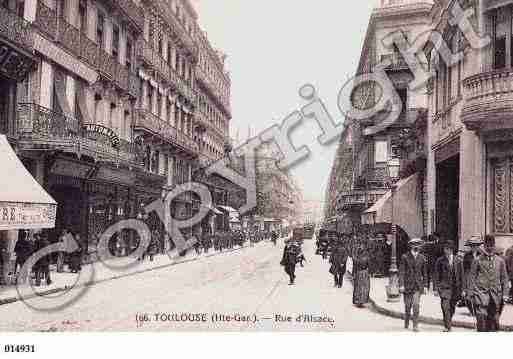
(393, 284)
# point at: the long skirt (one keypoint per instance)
(361, 287)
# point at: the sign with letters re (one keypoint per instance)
(26, 215)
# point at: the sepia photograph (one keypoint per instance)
(225, 166)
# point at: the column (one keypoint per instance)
(144, 95)
(472, 186)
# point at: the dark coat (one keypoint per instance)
(488, 278)
(23, 249)
(413, 273)
(509, 262)
(44, 262)
(448, 279)
(338, 260)
(289, 256)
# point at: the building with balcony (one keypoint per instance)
(378, 159)
(102, 105)
(470, 130)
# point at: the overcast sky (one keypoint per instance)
(276, 46)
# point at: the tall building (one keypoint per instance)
(111, 104)
(375, 156)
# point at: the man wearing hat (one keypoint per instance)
(474, 243)
(448, 282)
(488, 287)
(413, 281)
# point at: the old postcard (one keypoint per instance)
(255, 166)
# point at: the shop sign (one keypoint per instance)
(26, 215)
(101, 133)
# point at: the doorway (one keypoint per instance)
(447, 198)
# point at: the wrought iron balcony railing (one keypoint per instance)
(212, 88)
(148, 55)
(131, 10)
(15, 29)
(177, 25)
(373, 178)
(358, 198)
(155, 126)
(46, 128)
(76, 42)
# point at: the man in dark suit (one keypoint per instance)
(289, 260)
(413, 281)
(489, 285)
(448, 282)
(338, 261)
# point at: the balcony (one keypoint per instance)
(131, 11)
(221, 100)
(373, 178)
(153, 60)
(154, 126)
(178, 27)
(77, 43)
(358, 198)
(16, 54)
(40, 128)
(488, 100)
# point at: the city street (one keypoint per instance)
(239, 286)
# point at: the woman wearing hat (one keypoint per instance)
(361, 276)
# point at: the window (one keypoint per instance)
(20, 8)
(380, 151)
(61, 8)
(159, 105)
(115, 41)
(403, 95)
(150, 98)
(129, 53)
(501, 22)
(99, 30)
(82, 15)
(169, 54)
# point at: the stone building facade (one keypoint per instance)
(106, 105)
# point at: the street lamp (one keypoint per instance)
(393, 278)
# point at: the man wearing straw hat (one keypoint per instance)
(474, 243)
(413, 281)
(488, 287)
(448, 282)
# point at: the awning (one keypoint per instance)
(24, 204)
(407, 208)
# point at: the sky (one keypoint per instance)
(276, 46)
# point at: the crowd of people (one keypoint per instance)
(30, 242)
(480, 279)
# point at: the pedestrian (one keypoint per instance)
(338, 260)
(489, 284)
(76, 257)
(413, 282)
(42, 266)
(509, 267)
(361, 276)
(474, 243)
(289, 261)
(448, 282)
(63, 239)
(23, 250)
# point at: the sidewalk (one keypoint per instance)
(65, 280)
(430, 311)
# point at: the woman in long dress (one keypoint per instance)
(361, 277)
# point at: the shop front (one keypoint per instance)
(92, 197)
(24, 204)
